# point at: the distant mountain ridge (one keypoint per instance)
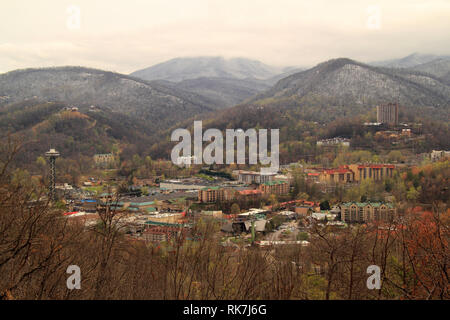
(409, 61)
(180, 69)
(159, 104)
(439, 67)
(332, 89)
(436, 65)
(344, 81)
(223, 82)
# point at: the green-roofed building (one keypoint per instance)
(275, 187)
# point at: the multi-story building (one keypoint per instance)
(367, 211)
(340, 175)
(215, 194)
(251, 177)
(185, 161)
(274, 187)
(104, 159)
(372, 171)
(436, 155)
(163, 233)
(334, 142)
(252, 194)
(388, 113)
(351, 173)
(173, 185)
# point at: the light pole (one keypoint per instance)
(52, 154)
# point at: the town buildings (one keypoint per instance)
(217, 194)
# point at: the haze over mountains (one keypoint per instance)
(412, 60)
(226, 82)
(439, 68)
(436, 65)
(222, 92)
(180, 69)
(230, 82)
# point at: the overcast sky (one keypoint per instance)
(124, 36)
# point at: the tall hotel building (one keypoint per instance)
(388, 113)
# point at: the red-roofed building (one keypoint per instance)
(352, 173)
(249, 194)
(313, 176)
(340, 175)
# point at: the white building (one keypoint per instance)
(250, 177)
(185, 161)
(439, 154)
(334, 142)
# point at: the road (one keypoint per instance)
(276, 235)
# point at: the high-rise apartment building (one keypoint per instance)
(388, 113)
(215, 194)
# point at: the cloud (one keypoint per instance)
(126, 36)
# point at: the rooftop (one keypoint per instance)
(376, 166)
(340, 170)
(363, 204)
(275, 182)
(210, 188)
(249, 192)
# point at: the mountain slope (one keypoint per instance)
(74, 133)
(344, 82)
(222, 83)
(439, 67)
(446, 78)
(180, 69)
(222, 92)
(79, 86)
(286, 73)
